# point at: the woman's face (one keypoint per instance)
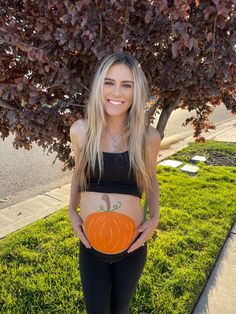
(118, 90)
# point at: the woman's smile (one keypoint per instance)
(115, 102)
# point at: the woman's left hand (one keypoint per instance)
(146, 229)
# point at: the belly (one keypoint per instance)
(110, 221)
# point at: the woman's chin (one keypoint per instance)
(115, 113)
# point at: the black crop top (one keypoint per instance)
(115, 177)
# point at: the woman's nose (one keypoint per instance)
(117, 90)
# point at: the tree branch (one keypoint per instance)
(150, 29)
(214, 43)
(126, 23)
(5, 105)
(151, 111)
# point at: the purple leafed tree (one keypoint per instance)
(49, 51)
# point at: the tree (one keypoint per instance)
(48, 53)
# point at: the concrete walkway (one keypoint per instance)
(219, 295)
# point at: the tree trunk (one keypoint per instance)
(169, 106)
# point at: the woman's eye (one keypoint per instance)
(111, 84)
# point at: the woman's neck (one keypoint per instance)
(114, 136)
(115, 125)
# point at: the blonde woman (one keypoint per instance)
(115, 155)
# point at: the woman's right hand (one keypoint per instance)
(76, 223)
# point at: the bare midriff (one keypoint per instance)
(110, 221)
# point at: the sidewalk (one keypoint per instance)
(219, 294)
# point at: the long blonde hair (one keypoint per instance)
(136, 129)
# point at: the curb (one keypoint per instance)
(19, 215)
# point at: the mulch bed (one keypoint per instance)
(217, 159)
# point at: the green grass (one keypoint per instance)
(39, 270)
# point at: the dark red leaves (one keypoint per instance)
(148, 17)
(208, 11)
(49, 52)
(176, 47)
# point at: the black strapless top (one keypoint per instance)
(116, 177)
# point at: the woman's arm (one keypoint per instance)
(75, 219)
(153, 200)
(152, 194)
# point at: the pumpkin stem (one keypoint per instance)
(106, 198)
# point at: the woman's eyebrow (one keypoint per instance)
(125, 81)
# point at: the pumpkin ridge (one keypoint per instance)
(100, 234)
(116, 230)
(92, 226)
(117, 237)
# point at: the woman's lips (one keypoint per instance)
(115, 102)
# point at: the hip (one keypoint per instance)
(111, 258)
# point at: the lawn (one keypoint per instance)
(39, 264)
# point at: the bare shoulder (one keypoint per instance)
(153, 136)
(153, 142)
(79, 125)
(78, 132)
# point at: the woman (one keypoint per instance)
(115, 155)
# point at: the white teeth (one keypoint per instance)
(113, 102)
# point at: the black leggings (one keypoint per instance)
(109, 281)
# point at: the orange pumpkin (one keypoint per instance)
(109, 232)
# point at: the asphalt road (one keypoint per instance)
(24, 174)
